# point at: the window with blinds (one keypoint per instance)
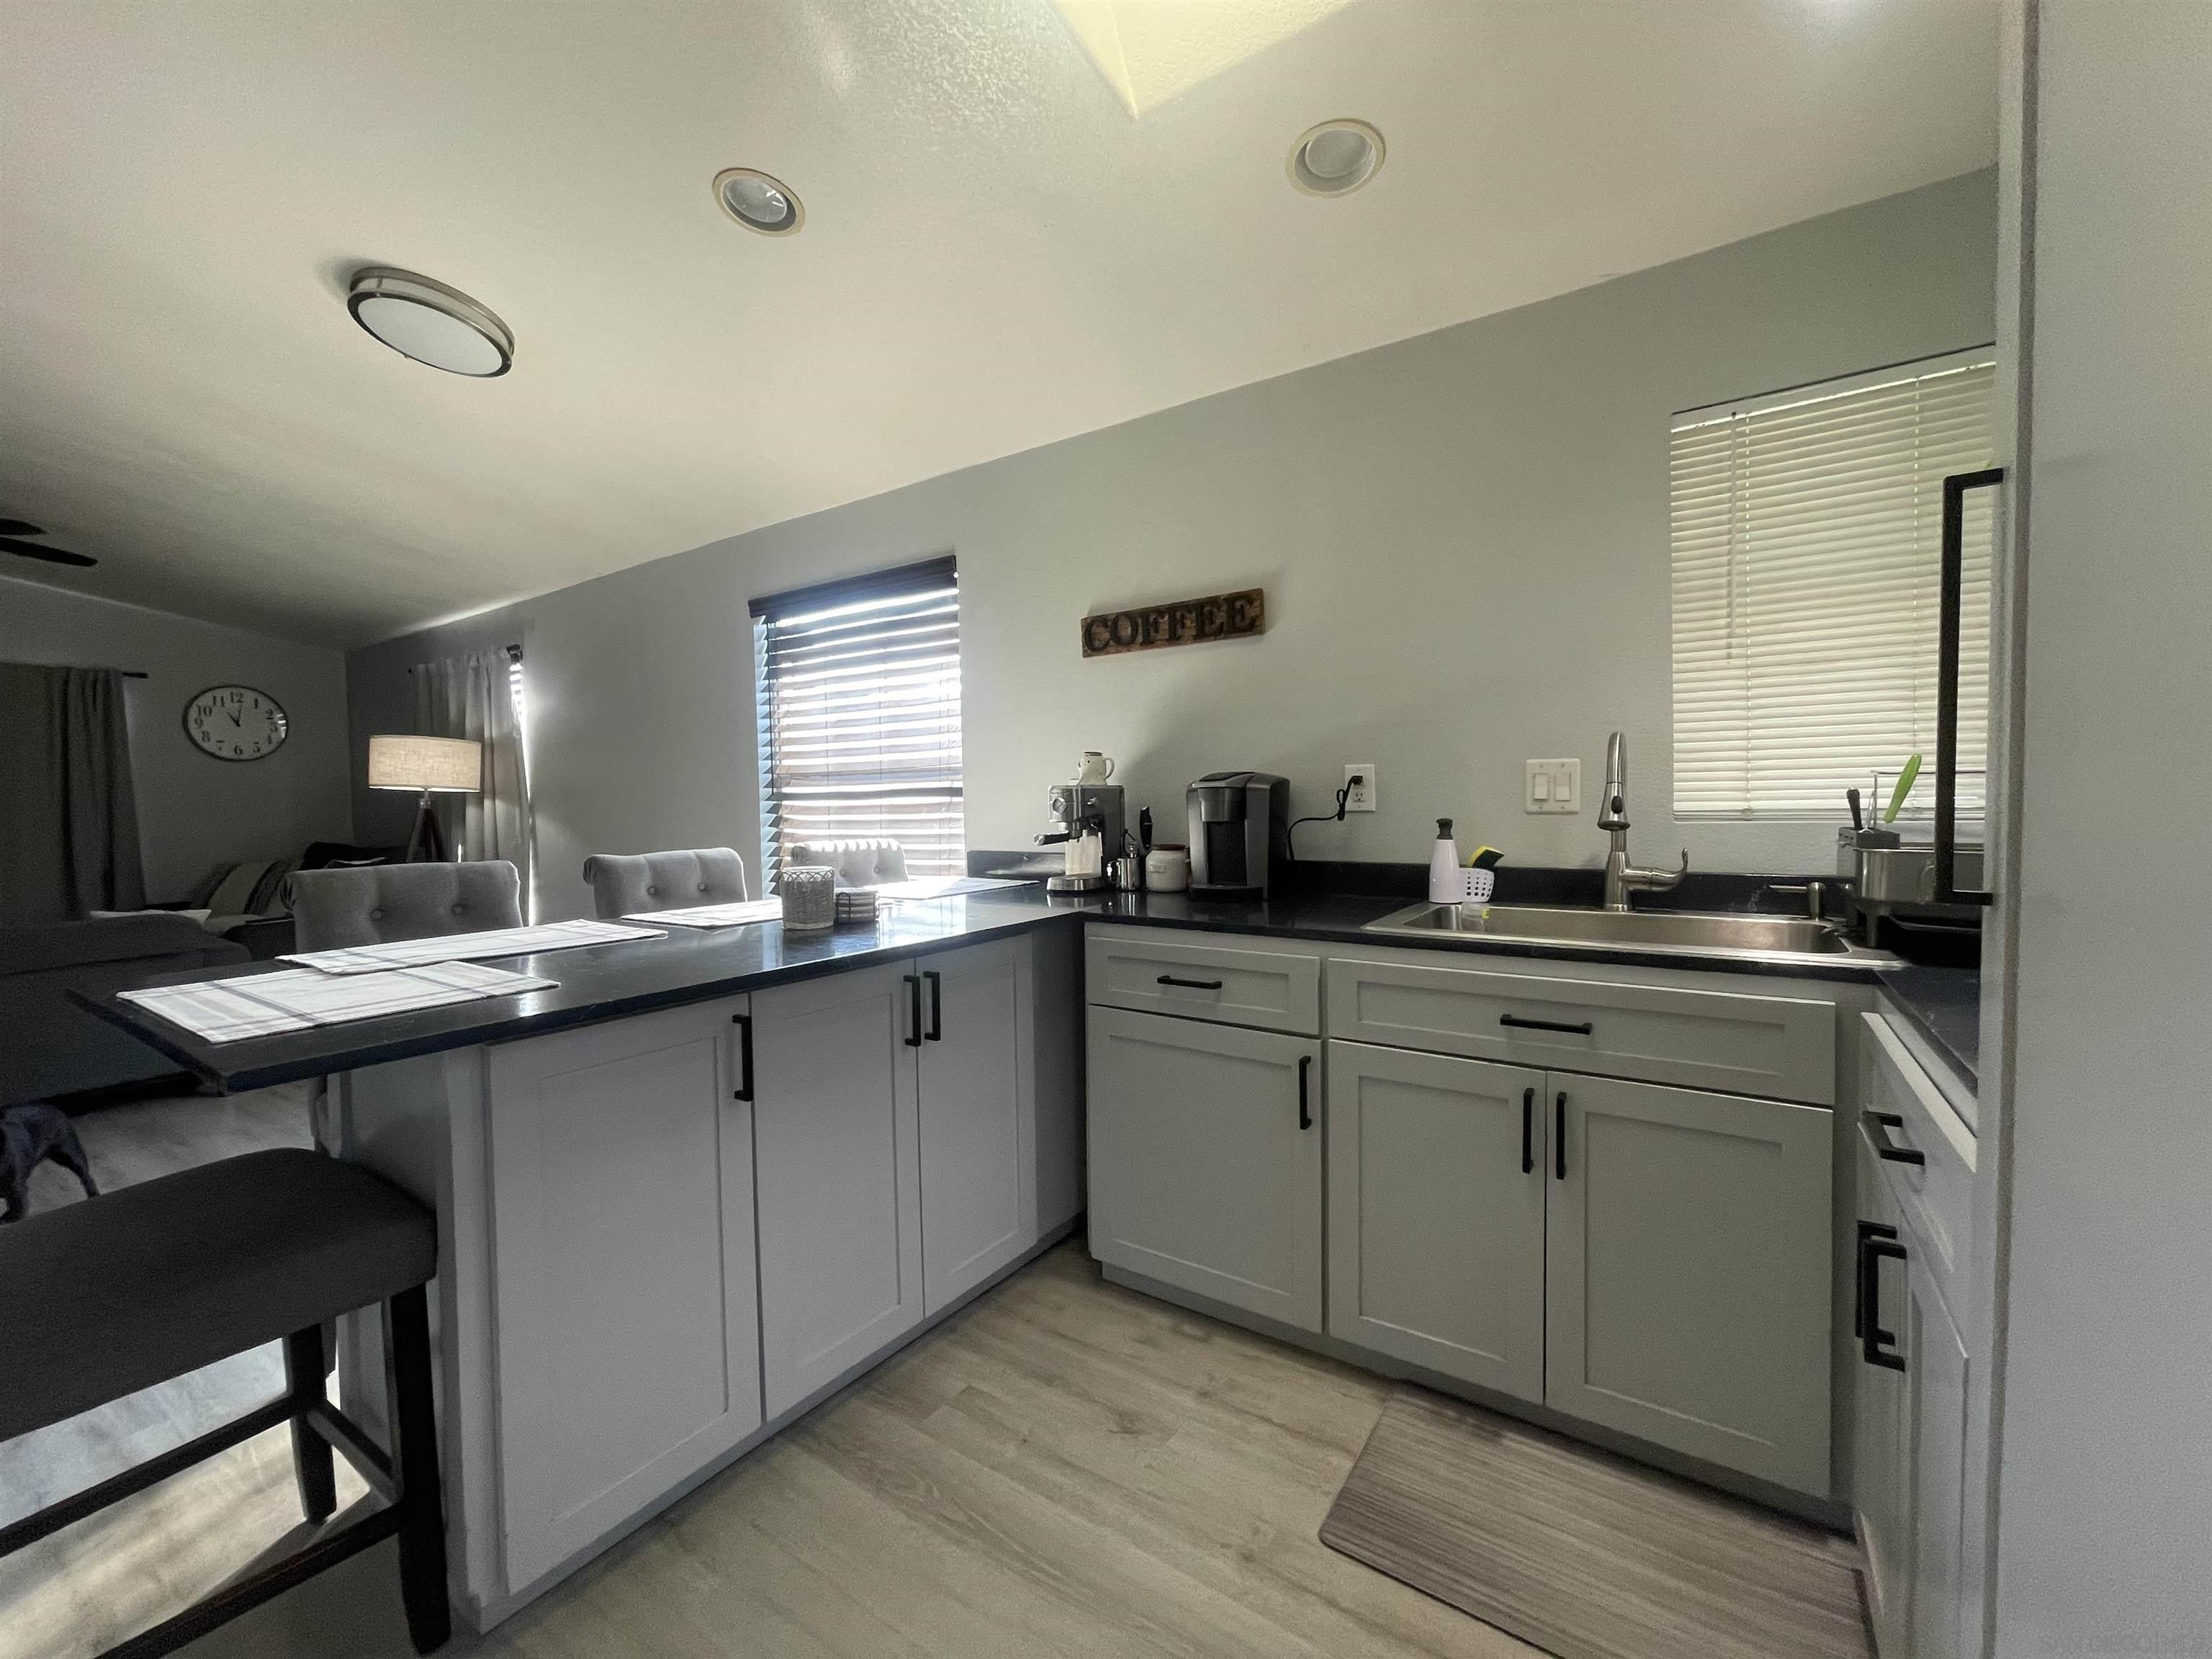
(1805, 529)
(858, 699)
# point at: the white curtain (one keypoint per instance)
(474, 697)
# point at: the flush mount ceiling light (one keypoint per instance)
(429, 322)
(1335, 158)
(758, 202)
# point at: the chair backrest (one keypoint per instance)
(858, 863)
(631, 884)
(332, 909)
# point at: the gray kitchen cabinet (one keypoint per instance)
(837, 1148)
(1206, 1160)
(1437, 1174)
(1879, 1433)
(1910, 1416)
(637, 1230)
(1688, 1273)
(978, 1115)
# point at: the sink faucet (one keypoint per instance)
(1622, 878)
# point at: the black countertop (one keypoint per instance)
(1945, 1006)
(613, 981)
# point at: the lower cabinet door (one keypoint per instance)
(621, 1180)
(839, 1173)
(1689, 1273)
(978, 1115)
(1936, 1386)
(1437, 1174)
(1881, 1430)
(1206, 1160)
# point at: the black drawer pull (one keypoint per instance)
(1191, 984)
(936, 1032)
(1528, 1130)
(1515, 1020)
(1876, 1345)
(913, 1007)
(1305, 1106)
(1867, 1230)
(1879, 1124)
(745, 1024)
(1560, 1137)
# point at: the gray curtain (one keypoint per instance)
(471, 697)
(68, 822)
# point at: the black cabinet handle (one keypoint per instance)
(1515, 1020)
(913, 1005)
(745, 1024)
(1528, 1130)
(936, 1032)
(1879, 1124)
(1305, 1105)
(1876, 1345)
(1951, 580)
(1191, 984)
(1560, 1137)
(1867, 1230)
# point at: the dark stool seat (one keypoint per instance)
(101, 1299)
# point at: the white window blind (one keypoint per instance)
(859, 695)
(1806, 536)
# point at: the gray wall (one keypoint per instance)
(195, 811)
(2105, 1472)
(1462, 535)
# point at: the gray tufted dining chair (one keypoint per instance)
(332, 909)
(633, 884)
(858, 863)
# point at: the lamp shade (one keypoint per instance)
(454, 765)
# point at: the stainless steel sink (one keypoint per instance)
(1694, 930)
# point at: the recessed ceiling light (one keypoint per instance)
(429, 322)
(758, 202)
(1335, 158)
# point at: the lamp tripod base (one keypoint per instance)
(426, 842)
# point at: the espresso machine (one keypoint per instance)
(1075, 810)
(1240, 833)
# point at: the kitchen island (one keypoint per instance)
(707, 1179)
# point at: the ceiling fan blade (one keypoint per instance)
(50, 554)
(19, 527)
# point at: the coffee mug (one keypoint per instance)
(1094, 768)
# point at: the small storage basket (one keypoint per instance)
(810, 899)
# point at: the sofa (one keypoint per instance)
(248, 902)
(49, 1046)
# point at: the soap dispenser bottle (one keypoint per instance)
(1446, 885)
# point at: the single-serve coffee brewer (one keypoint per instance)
(1078, 813)
(1240, 833)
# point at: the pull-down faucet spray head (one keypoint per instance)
(1613, 807)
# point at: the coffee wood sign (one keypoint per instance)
(1185, 621)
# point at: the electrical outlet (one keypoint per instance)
(1552, 786)
(1360, 776)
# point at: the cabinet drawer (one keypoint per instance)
(1922, 1145)
(1783, 1046)
(1160, 973)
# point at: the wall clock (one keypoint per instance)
(236, 722)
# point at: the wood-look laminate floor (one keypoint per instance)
(1065, 1468)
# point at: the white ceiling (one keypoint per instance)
(997, 254)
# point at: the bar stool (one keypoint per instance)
(101, 1299)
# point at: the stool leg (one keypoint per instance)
(415, 1459)
(311, 1453)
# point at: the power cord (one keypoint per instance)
(1291, 835)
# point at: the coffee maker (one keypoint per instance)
(1240, 833)
(1075, 810)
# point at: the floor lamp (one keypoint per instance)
(430, 766)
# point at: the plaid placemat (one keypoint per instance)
(468, 947)
(300, 999)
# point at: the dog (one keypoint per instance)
(29, 1135)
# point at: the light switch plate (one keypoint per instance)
(1552, 786)
(1362, 798)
